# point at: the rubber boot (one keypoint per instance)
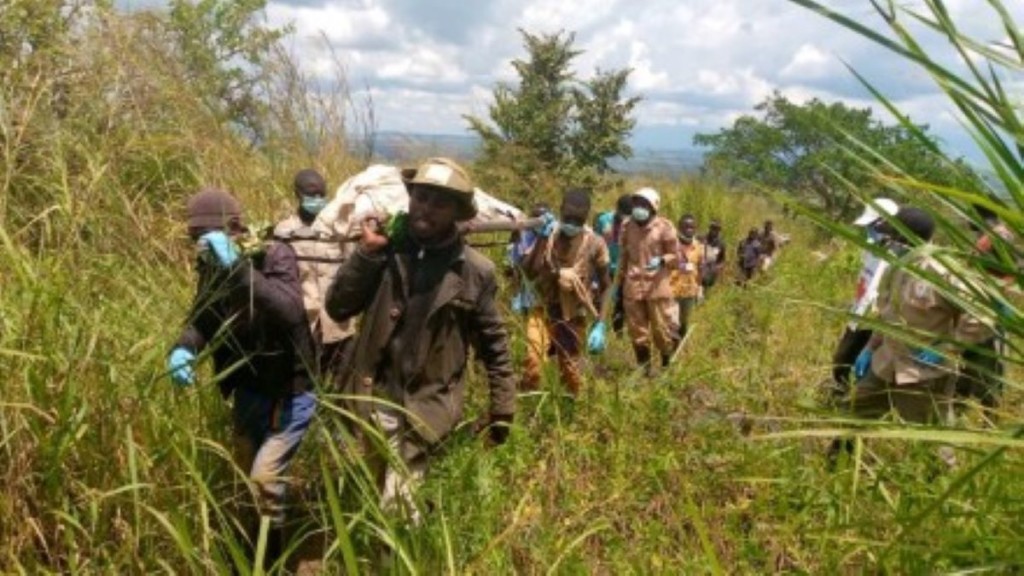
(275, 547)
(667, 358)
(643, 358)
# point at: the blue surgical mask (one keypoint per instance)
(313, 204)
(641, 214)
(570, 230)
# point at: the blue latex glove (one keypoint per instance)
(596, 338)
(928, 356)
(179, 364)
(547, 228)
(862, 364)
(518, 304)
(223, 248)
(654, 263)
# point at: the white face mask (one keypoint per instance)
(641, 214)
(313, 204)
(570, 230)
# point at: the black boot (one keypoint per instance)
(275, 547)
(643, 358)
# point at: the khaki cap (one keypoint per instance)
(445, 174)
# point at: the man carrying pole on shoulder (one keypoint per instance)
(561, 265)
(426, 299)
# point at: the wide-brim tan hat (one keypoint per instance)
(444, 174)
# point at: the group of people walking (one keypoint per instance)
(280, 318)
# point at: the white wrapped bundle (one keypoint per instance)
(379, 192)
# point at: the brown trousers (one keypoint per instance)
(654, 320)
(567, 337)
(926, 402)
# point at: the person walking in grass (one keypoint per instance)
(685, 276)
(748, 254)
(248, 315)
(319, 256)
(525, 300)
(612, 234)
(982, 376)
(856, 335)
(771, 241)
(912, 369)
(561, 265)
(648, 255)
(426, 298)
(713, 261)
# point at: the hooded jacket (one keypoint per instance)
(252, 317)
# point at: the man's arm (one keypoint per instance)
(670, 247)
(355, 284)
(360, 276)
(275, 289)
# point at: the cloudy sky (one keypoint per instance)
(697, 63)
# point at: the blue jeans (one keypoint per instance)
(267, 435)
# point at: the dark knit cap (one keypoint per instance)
(213, 208)
(917, 221)
(576, 202)
(310, 183)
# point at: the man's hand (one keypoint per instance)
(929, 357)
(863, 363)
(547, 228)
(223, 248)
(372, 240)
(179, 364)
(596, 338)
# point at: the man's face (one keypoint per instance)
(432, 213)
(687, 228)
(714, 231)
(574, 215)
(310, 189)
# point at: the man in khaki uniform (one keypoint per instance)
(561, 266)
(648, 254)
(319, 257)
(686, 275)
(913, 371)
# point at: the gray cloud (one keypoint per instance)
(696, 63)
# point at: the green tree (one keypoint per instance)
(808, 151)
(224, 46)
(551, 129)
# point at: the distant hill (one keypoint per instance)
(403, 147)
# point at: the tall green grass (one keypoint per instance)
(716, 465)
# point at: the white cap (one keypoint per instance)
(870, 214)
(651, 195)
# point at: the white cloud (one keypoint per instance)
(644, 76)
(809, 62)
(700, 63)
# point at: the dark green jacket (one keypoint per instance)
(463, 314)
